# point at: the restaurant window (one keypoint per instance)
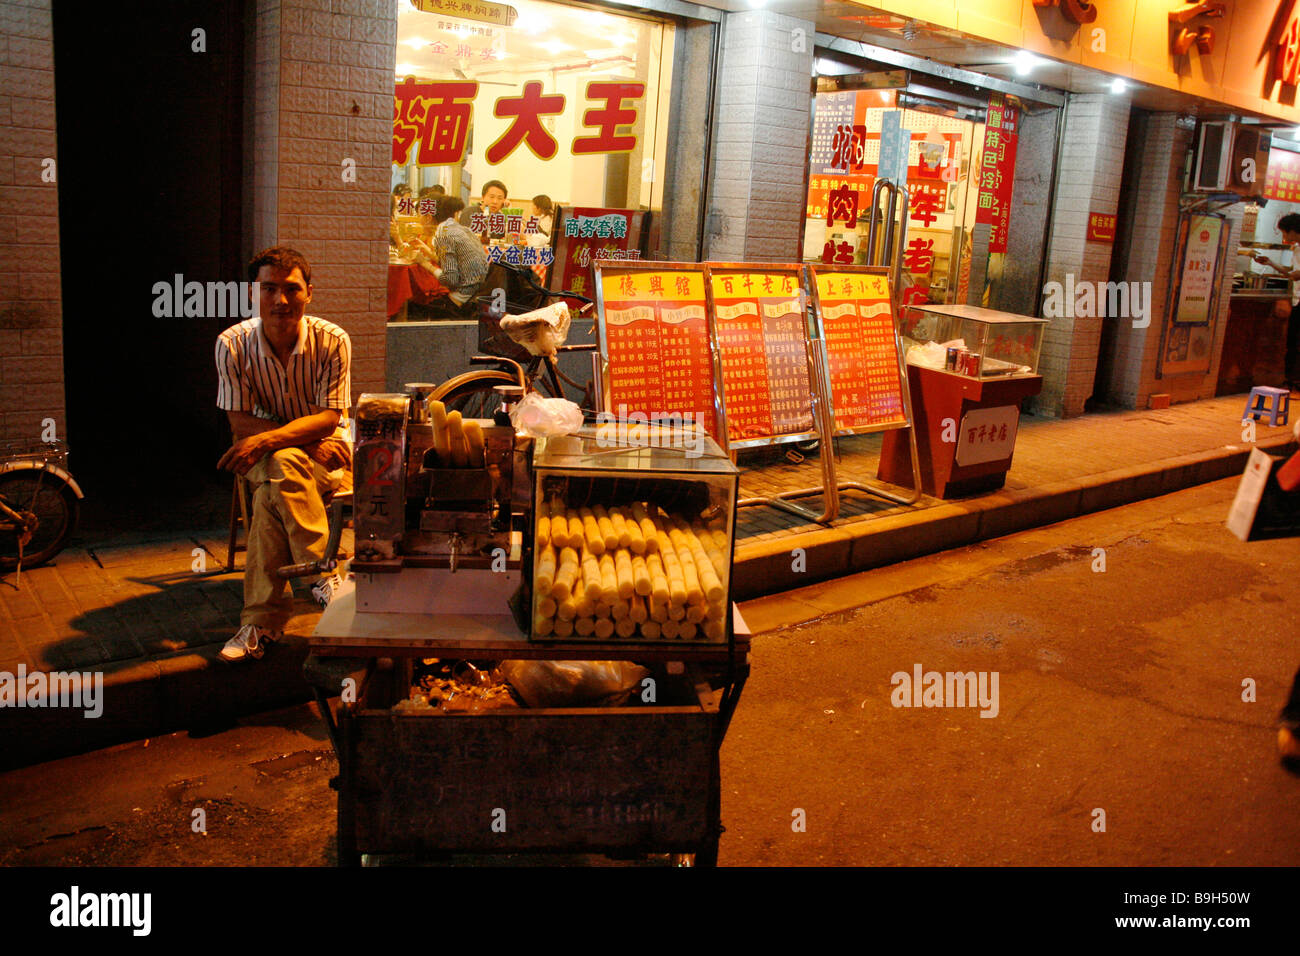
(547, 100)
(957, 159)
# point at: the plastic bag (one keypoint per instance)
(541, 331)
(574, 683)
(546, 417)
(932, 354)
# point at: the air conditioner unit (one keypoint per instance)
(1231, 158)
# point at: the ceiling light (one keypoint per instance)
(415, 42)
(1024, 61)
(1118, 85)
(554, 46)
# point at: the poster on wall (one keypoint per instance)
(584, 234)
(1193, 306)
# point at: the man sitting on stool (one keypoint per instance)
(284, 382)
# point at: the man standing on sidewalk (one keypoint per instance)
(284, 382)
(1289, 226)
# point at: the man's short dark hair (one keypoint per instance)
(498, 184)
(448, 206)
(281, 257)
(1289, 223)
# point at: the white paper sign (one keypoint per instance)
(987, 434)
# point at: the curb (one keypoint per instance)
(766, 567)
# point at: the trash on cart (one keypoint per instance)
(574, 683)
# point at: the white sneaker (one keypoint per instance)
(323, 591)
(249, 641)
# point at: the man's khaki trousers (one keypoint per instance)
(288, 525)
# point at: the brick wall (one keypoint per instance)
(1088, 180)
(322, 91)
(31, 314)
(760, 137)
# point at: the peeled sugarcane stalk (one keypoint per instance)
(591, 577)
(658, 611)
(547, 607)
(603, 609)
(608, 579)
(673, 567)
(474, 442)
(586, 607)
(669, 629)
(567, 609)
(650, 630)
(543, 525)
(658, 578)
(690, 575)
(563, 628)
(623, 566)
(559, 524)
(695, 613)
(456, 439)
(687, 631)
(544, 576)
(566, 574)
(604, 628)
(621, 528)
(543, 626)
(591, 531)
(625, 627)
(637, 611)
(584, 626)
(576, 533)
(710, 583)
(438, 418)
(620, 609)
(606, 527)
(645, 523)
(676, 612)
(640, 575)
(715, 629)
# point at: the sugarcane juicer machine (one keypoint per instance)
(432, 537)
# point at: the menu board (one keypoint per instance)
(656, 338)
(763, 346)
(858, 325)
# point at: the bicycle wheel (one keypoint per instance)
(471, 393)
(55, 506)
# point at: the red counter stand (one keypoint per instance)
(965, 432)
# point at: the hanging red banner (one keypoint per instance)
(997, 171)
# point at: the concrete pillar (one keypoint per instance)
(321, 91)
(1088, 180)
(31, 301)
(760, 139)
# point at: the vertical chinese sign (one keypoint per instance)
(655, 334)
(584, 235)
(997, 171)
(858, 326)
(841, 172)
(762, 344)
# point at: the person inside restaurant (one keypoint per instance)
(544, 212)
(456, 257)
(1289, 227)
(493, 201)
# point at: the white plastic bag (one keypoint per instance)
(541, 331)
(546, 417)
(574, 683)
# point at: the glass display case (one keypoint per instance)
(989, 344)
(633, 536)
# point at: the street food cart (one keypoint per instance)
(527, 551)
(966, 413)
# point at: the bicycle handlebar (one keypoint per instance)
(531, 280)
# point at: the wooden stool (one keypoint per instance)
(238, 516)
(1277, 410)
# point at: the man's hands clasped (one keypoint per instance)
(330, 453)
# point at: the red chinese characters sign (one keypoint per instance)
(762, 343)
(1101, 227)
(435, 116)
(858, 325)
(997, 171)
(1286, 55)
(1282, 180)
(656, 337)
(585, 234)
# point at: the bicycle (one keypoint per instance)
(473, 392)
(39, 502)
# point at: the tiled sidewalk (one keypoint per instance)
(151, 609)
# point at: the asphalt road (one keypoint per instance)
(1119, 702)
